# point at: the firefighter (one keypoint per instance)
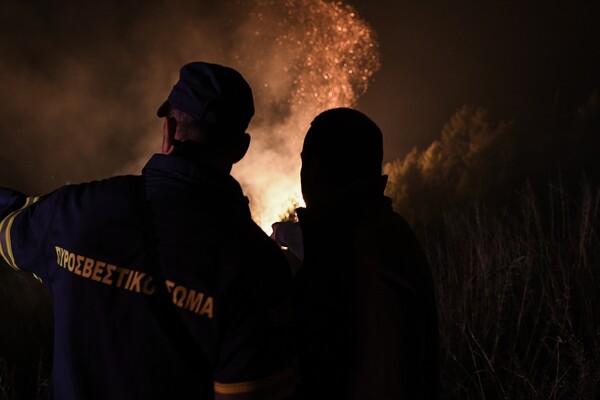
(163, 286)
(366, 308)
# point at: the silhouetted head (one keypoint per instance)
(211, 105)
(342, 146)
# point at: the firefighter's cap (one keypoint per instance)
(212, 94)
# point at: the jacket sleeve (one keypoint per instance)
(256, 356)
(10, 200)
(24, 222)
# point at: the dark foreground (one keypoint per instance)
(517, 292)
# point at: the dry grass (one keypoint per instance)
(519, 298)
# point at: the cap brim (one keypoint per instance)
(163, 110)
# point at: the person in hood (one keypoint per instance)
(366, 315)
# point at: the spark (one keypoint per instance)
(328, 55)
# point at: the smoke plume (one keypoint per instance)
(308, 56)
(81, 83)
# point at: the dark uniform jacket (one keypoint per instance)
(367, 319)
(162, 285)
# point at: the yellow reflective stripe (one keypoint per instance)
(2, 241)
(29, 201)
(252, 386)
(5, 241)
(9, 251)
(5, 244)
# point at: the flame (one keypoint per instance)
(307, 56)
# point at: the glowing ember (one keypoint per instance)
(307, 56)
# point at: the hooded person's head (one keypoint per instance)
(342, 147)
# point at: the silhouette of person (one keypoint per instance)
(163, 286)
(366, 312)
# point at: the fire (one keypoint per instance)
(308, 56)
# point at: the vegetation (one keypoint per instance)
(518, 296)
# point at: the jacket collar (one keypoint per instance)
(183, 166)
(355, 203)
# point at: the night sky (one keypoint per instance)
(515, 58)
(81, 82)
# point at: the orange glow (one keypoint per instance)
(311, 55)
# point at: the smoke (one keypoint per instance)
(308, 56)
(80, 83)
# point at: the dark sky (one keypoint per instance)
(80, 81)
(516, 58)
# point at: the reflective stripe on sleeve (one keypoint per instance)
(5, 240)
(280, 385)
(2, 240)
(37, 278)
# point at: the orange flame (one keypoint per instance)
(311, 55)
